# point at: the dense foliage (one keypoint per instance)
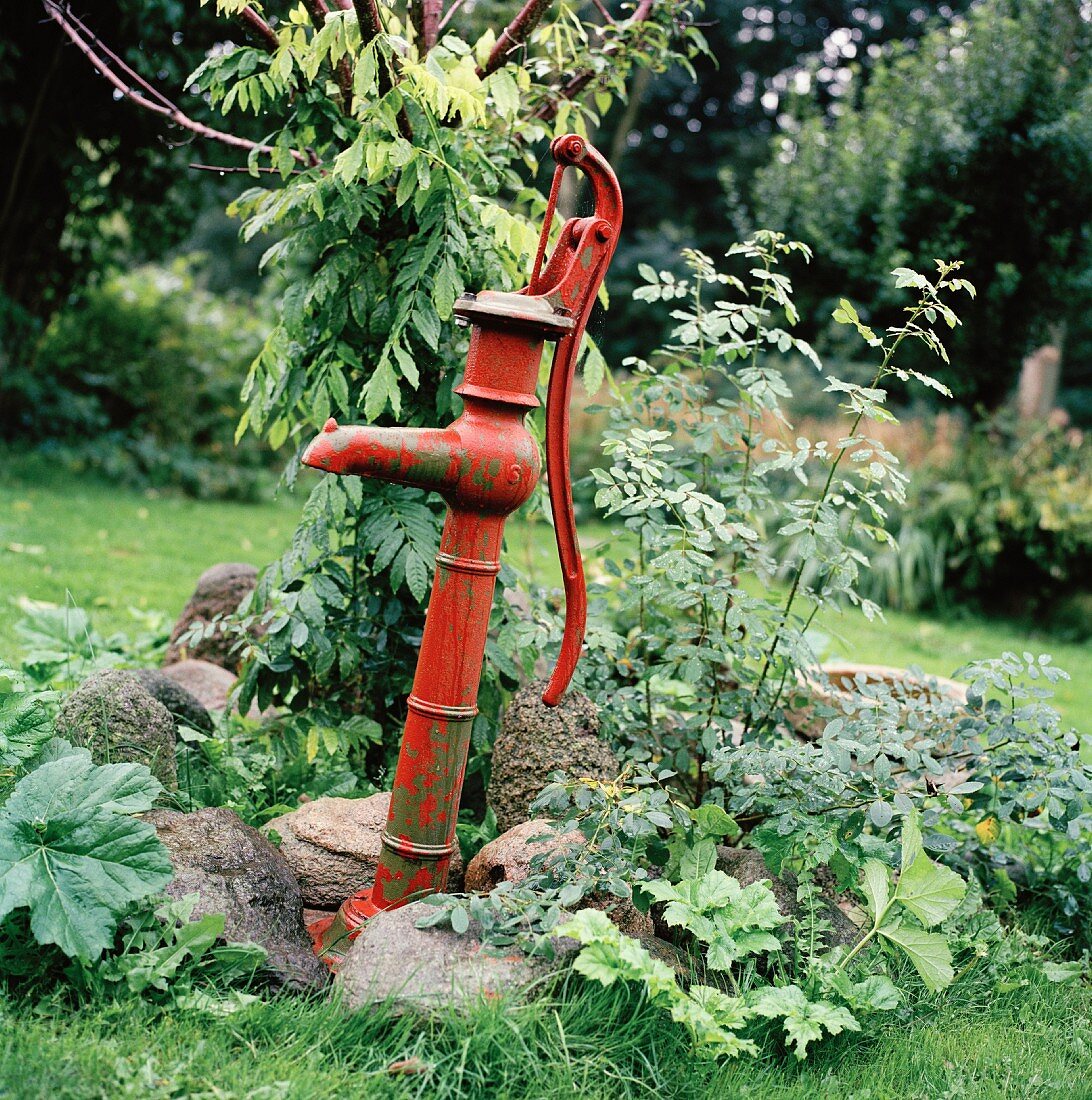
(1002, 522)
(86, 181)
(140, 380)
(977, 142)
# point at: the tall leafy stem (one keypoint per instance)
(862, 405)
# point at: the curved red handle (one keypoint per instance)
(571, 280)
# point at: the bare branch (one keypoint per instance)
(515, 34)
(260, 28)
(449, 15)
(425, 16)
(229, 169)
(105, 61)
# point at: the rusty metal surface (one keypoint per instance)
(484, 465)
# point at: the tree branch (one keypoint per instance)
(515, 34)
(367, 15)
(260, 28)
(450, 14)
(105, 61)
(343, 72)
(425, 16)
(577, 83)
(371, 25)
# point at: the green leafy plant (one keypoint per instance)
(25, 724)
(928, 892)
(61, 645)
(72, 852)
(731, 921)
(705, 468)
(260, 769)
(607, 956)
(712, 1016)
(1001, 762)
(163, 953)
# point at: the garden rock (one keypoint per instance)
(209, 684)
(184, 707)
(219, 591)
(333, 846)
(508, 859)
(414, 968)
(535, 740)
(238, 873)
(112, 715)
(746, 865)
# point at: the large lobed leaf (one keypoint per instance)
(930, 891)
(70, 853)
(25, 725)
(804, 1021)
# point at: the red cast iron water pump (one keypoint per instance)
(485, 465)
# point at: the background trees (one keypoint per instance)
(977, 143)
(87, 181)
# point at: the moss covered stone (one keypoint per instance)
(536, 740)
(117, 720)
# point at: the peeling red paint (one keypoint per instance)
(484, 465)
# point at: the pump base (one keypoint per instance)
(333, 936)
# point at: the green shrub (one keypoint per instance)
(1005, 524)
(139, 379)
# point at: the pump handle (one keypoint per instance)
(571, 281)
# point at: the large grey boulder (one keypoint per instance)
(508, 858)
(220, 590)
(535, 740)
(238, 873)
(413, 968)
(333, 846)
(184, 707)
(746, 865)
(112, 715)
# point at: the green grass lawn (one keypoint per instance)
(593, 1044)
(108, 549)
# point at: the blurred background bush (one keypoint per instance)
(139, 379)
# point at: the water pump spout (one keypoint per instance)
(425, 457)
